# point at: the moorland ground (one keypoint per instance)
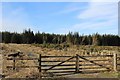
(32, 50)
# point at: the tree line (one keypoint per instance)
(29, 37)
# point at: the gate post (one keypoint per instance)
(39, 67)
(115, 62)
(13, 63)
(77, 63)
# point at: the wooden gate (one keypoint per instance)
(50, 66)
(66, 65)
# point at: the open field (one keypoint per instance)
(32, 51)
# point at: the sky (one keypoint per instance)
(60, 17)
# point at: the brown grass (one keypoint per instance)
(6, 49)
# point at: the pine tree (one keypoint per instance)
(14, 38)
(6, 37)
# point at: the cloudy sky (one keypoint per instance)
(61, 17)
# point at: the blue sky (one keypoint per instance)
(61, 17)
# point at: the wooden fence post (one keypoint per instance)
(13, 63)
(77, 63)
(115, 62)
(39, 67)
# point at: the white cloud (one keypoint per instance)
(68, 10)
(99, 17)
(15, 20)
(71, 7)
(90, 28)
(99, 9)
(94, 26)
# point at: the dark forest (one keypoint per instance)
(73, 38)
